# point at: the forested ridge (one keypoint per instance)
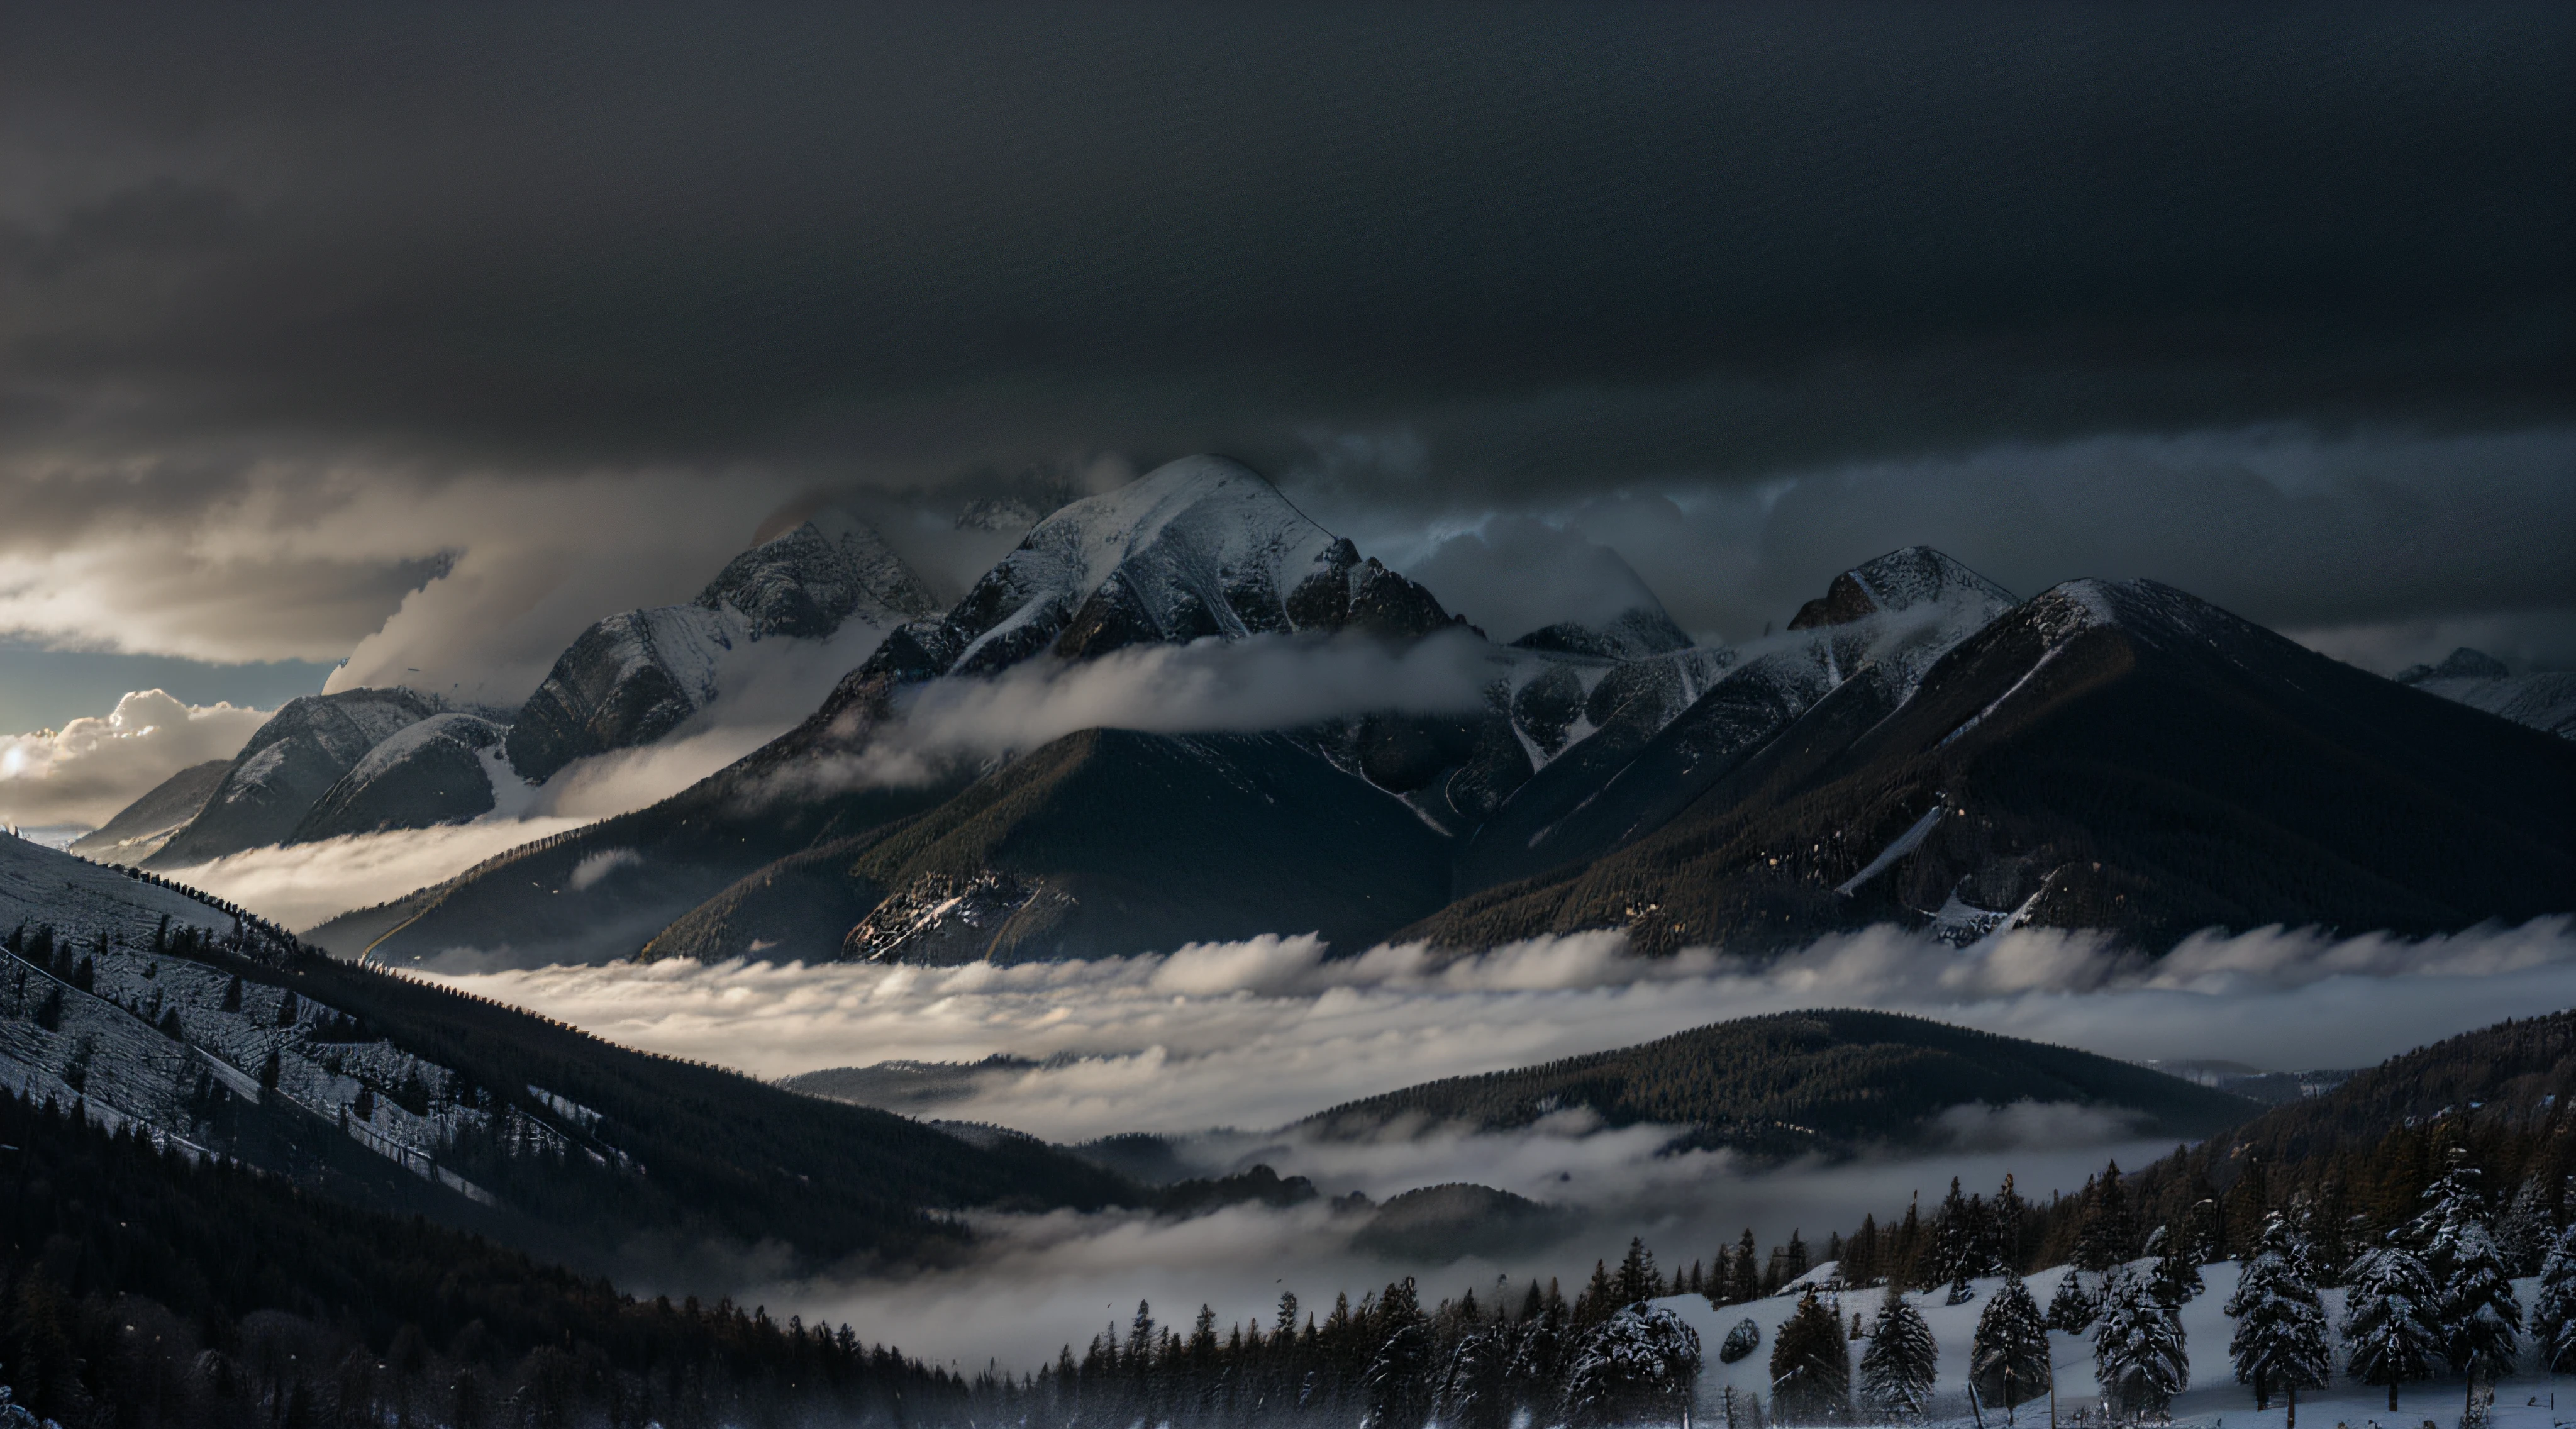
(660, 1152)
(156, 1290)
(1801, 1081)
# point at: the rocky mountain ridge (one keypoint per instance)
(1844, 772)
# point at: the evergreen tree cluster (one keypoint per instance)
(1389, 1362)
(141, 1288)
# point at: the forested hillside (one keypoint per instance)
(147, 1288)
(159, 1008)
(1806, 1081)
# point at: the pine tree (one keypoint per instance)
(2280, 1339)
(2523, 1233)
(2138, 1352)
(1900, 1366)
(1957, 1240)
(1474, 1394)
(1396, 1387)
(2474, 1308)
(2177, 1275)
(2006, 1222)
(1811, 1366)
(2387, 1322)
(1637, 1279)
(1531, 1379)
(1745, 1281)
(2109, 1233)
(2071, 1309)
(2553, 1305)
(2008, 1360)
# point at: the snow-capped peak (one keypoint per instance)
(1197, 547)
(1196, 516)
(1901, 580)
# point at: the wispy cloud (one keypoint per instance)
(1266, 682)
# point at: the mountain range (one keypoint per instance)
(1918, 746)
(371, 760)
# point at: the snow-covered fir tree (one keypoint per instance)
(1397, 1384)
(1811, 1366)
(2474, 1308)
(1641, 1364)
(2553, 1305)
(1902, 1363)
(2280, 1339)
(2006, 1222)
(1532, 1377)
(2072, 1308)
(1475, 1393)
(2138, 1352)
(2008, 1360)
(2388, 1328)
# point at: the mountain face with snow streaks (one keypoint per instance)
(1199, 547)
(1885, 621)
(1917, 748)
(290, 763)
(433, 772)
(2106, 755)
(634, 677)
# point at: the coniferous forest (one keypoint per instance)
(140, 1286)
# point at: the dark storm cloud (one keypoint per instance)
(800, 230)
(1435, 266)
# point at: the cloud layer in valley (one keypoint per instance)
(1257, 1033)
(1254, 1034)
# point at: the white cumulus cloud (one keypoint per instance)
(96, 765)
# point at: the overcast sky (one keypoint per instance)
(429, 334)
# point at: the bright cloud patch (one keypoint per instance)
(94, 766)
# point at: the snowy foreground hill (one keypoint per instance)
(2213, 1397)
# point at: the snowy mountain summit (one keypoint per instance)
(1200, 546)
(635, 676)
(1900, 580)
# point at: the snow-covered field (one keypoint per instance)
(2214, 1399)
